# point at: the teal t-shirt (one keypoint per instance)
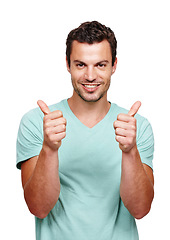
(89, 205)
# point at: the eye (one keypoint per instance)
(101, 65)
(80, 65)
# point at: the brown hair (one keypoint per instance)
(91, 32)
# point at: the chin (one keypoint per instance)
(91, 99)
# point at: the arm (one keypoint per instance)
(40, 178)
(41, 182)
(136, 188)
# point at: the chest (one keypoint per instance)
(90, 161)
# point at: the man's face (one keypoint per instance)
(91, 69)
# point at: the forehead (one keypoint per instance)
(91, 52)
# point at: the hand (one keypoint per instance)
(54, 126)
(125, 128)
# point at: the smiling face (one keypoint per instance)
(91, 70)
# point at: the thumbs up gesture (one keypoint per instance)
(54, 126)
(125, 128)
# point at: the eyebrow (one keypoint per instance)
(78, 61)
(102, 61)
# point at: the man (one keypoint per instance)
(86, 163)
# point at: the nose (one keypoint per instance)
(90, 74)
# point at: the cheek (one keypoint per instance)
(106, 76)
(77, 75)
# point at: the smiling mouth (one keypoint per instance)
(91, 87)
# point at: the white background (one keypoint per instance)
(32, 67)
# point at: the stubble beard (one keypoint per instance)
(92, 100)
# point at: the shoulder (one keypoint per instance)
(117, 109)
(142, 122)
(58, 106)
(36, 115)
(31, 118)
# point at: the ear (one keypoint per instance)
(114, 66)
(68, 68)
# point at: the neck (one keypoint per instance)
(95, 111)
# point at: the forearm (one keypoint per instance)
(136, 189)
(43, 188)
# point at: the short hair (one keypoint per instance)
(91, 32)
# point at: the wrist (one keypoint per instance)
(132, 152)
(48, 150)
(132, 156)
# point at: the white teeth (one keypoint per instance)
(90, 86)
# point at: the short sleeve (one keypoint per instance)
(145, 142)
(30, 136)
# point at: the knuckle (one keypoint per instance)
(64, 134)
(117, 130)
(60, 136)
(133, 134)
(50, 137)
(46, 124)
(134, 120)
(60, 122)
(63, 128)
(117, 138)
(47, 131)
(59, 113)
(133, 127)
(64, 121)
(115, 124)
(45, 119)
(125, 147)
(119, 116)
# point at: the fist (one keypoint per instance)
(125, 128)
(54, 126)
